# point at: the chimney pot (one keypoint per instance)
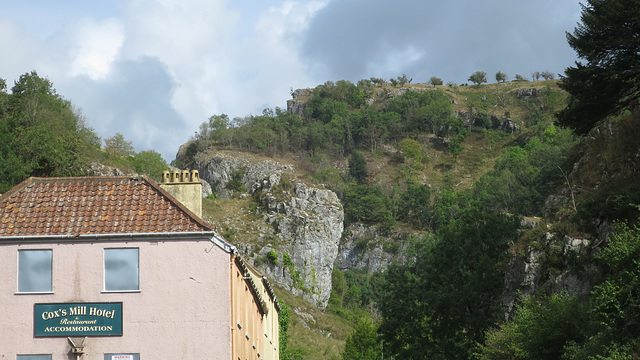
(184, 177)
(175, 176)
(195, 176)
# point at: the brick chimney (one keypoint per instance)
(186, 187)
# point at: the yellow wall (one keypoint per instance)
(254, 331)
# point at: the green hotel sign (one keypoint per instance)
(78, 319)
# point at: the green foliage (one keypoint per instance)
(272, 257)
(118, 146)
(415, 206)
(358, 168)
(455, 146)
(446, 208)
(618, 298)
(478, 77)
(426, 111)
(410, 148)
(354, 292)
(501, 77)
(541, 329)
(523, 177)
(559, 326)
(40, 133)
(607, 81)
(284, 317)
(149, 162)
(519, 77)
(435, 81)
(410, 170)
(286, 260)
(338, 289)
(296, 275)
(235, 183)
(364, 203)
(363, 343)
(439, 305)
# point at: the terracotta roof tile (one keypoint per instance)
(93, 205)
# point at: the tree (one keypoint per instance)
(358, 167)
(363, 343)
(439, 304)
(149, 162)
(501, 77)
(607, 81)
(403, 80)
(49, 136)
(415, 205)
(410, 148)
(365, 204)
(117, 145)
(435, 81)
(519, 77)
(478, 77)
(541, 329)
(536, 75)
(547, 75)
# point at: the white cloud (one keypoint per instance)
(94, 47)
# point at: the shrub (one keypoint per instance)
(272, 256)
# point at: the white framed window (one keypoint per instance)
(34, 271)
(34, 357)
(121, 269)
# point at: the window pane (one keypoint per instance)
(34, 357)
(120, 269)
(34, 270)
(121, 356)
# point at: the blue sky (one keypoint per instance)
(154, 70)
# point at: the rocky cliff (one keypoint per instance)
(301, 224)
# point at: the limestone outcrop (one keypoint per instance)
(310, 225)
(552, 266)
(370, 248)
(302, 225)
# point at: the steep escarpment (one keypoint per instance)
(300, 225)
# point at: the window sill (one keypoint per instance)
(119, 291)
(34, 293)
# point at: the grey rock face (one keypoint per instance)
(307, 222)
(526, 272)
(403, 90)
(97, 169)
(525, 93)
(523, 277)
(497, 122)
(368, 247)
(310, 223)
(296, 105)
(217, 169)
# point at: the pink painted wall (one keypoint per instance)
(182, 310)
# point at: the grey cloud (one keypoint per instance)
(135, 100)
(349, 38)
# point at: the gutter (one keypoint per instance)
(213, 236)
